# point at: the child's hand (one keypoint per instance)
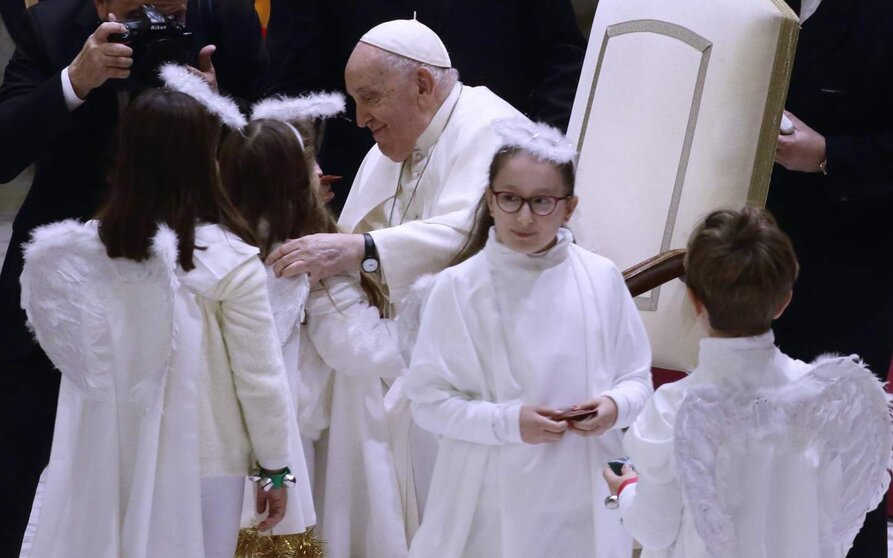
(274, 501)
(537, 426)
(600, 423)
(615, 481)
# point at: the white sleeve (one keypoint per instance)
(444, 380)
(255, 358)
(72, 101)
(349, 334)
(651, 509)
(632, 382)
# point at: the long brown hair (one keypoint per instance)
(274, 184)
(482, 220)
(165, 171)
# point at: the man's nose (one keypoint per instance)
(363, 117)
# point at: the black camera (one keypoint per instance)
(155, 39)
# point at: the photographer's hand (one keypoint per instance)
(205, 68)
(100, 60)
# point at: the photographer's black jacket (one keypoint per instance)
(71, 150)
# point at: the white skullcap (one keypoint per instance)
(410, 39)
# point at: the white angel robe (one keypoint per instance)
(168, 377)
(757, 455)
(441, 184)
(503, 330)
(349, 351)
(123, 477)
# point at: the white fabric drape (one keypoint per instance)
(499, 331)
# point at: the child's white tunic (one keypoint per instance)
(504, 330)
(346, 354)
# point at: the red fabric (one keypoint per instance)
(626, 483)
(661, 376)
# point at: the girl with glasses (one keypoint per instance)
(529, 360)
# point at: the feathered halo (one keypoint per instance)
(307, 107)
(179, 78)
(540, 140)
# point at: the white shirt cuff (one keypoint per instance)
(507, 424)
(72, 101)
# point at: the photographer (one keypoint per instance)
(60, 101)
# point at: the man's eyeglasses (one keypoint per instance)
(541, 205)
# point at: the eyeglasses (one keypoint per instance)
(542, 205)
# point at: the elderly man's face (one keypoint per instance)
(389, 102)
(126, 9)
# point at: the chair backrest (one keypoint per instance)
(659, 146)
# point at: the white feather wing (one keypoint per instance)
(63, 264)
(288, 295)
(839, 405)
(83, 307)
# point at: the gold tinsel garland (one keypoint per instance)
(255, 545)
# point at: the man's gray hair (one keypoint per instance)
(444, 78)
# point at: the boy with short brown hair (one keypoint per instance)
(743, 457)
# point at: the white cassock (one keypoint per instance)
(758, 455)
(419, 212)
(441, 184)
(503, 330)
(346, 353)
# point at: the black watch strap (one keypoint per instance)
(371, 250)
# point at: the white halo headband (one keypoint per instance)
(541, 140)
(179, 78)
(307, 107)
(290, 109)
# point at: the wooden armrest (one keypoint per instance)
(655, 271)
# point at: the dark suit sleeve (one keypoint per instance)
(32, 106)
(295, 37)
(860, 154)
(555, 48)
(241, 60)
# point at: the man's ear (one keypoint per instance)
(784, 304)
(425, 82)
(102, 9)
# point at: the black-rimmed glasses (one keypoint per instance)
(542, 205)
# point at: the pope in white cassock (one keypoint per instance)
(416, 188)
(410, 207)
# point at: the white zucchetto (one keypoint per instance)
(411, 39)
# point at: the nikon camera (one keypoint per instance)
(155, 39)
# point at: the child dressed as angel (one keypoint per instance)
(754, 454)
(525, 326)
(158, 317)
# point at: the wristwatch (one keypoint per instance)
(611, 502)
(370, 259)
